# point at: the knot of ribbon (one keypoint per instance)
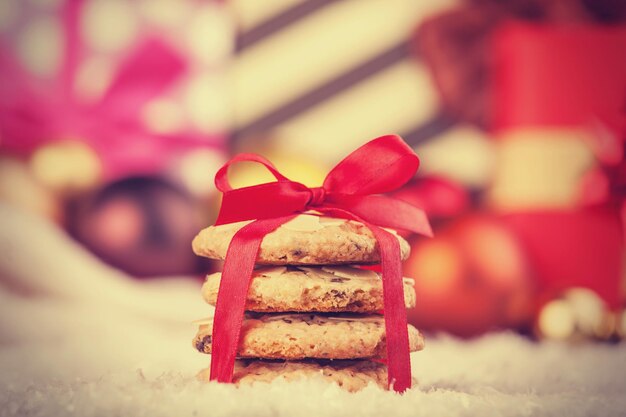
(317, 196)
(351, 190)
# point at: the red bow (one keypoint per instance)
(381, 165)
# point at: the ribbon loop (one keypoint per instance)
(381, 165)
(221, 177)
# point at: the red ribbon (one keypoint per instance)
(349, 191)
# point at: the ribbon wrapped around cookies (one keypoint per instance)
(351, 191)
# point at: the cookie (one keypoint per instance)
(300, 336)
(349, 375)
(307, 289)
(306, 240)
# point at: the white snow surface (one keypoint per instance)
(78, 338)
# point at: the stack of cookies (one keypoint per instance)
(308, 314)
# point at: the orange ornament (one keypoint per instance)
(470, 278)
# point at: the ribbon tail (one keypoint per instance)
(396, 329)
(397, 336)
(386, 212)
(229, 310)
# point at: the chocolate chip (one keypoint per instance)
(339, 279)
(296, 252)
(338, 295)
(287, 321)
(200, 344)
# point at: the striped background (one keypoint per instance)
(320, 77)
(306, 78)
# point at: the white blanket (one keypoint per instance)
(79, 338)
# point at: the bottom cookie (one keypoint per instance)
(351, 375)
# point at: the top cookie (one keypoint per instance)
(306, 240)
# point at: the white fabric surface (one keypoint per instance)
(79, 338)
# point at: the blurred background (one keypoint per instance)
(115, 115)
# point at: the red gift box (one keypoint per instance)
(574, 76)
(547, 75)
(578, 248)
